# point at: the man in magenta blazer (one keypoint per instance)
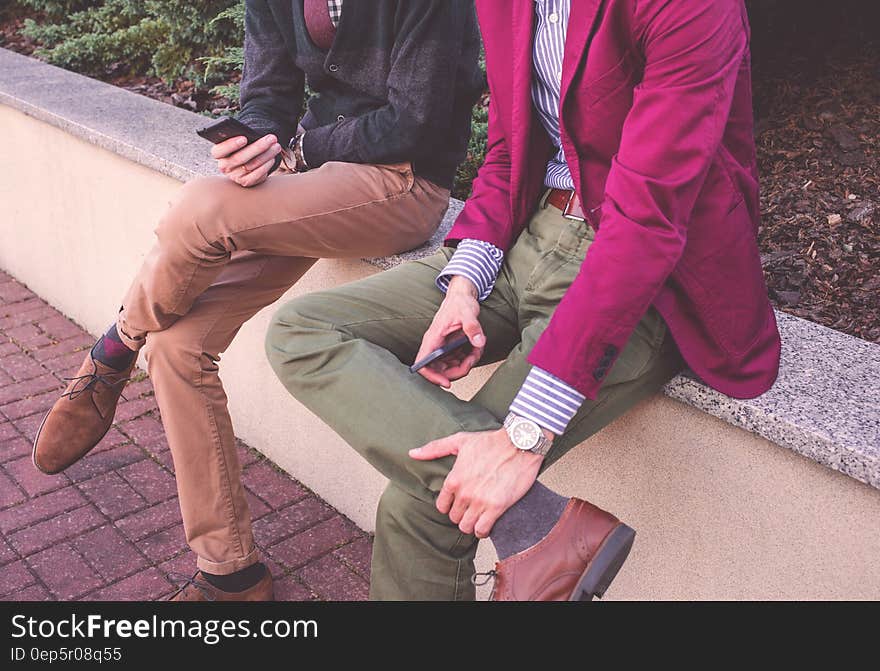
(611, 229)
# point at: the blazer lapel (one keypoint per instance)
(581, 22)
(522, 112)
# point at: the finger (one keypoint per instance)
(474, 332)
(456, 360)
(257, 176)
(256, 170)
(484, 524)
(244, 155)
(445, 499)
(267, 157)
(434, 377)
(245, 177)
(257, 161)
(431, 340)
(459, 507)
(442, 447)
(459, 370)
(452, 359)
(469, 520)
(442, 365)
(228, 146)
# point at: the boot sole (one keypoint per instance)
(602, 570)
(60, 470)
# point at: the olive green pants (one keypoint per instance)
(344, 354)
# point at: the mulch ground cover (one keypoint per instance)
(817, 99)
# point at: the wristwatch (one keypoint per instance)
(296, 149)
(526, 435)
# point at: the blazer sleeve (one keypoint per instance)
(487, 214)
(693, 51)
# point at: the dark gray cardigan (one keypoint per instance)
(398, 83)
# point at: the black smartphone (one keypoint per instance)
(451, 346)
(227, 127)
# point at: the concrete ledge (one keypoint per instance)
(824, 404)
(724, 511)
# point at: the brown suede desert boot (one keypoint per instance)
(197, 588)
(81, 417)
(576, 561)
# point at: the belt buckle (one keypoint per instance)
(567, 211)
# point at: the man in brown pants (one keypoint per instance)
(374, 156)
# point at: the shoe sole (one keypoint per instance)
(602, 570)
(61, 470)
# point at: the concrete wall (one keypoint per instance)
(720, 512)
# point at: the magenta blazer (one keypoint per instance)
(657, 130)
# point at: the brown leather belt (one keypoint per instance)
(567, 201)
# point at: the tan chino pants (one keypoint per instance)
(223, 253)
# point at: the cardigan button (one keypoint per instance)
(333, 67)
(341, 117)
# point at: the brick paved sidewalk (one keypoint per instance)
(109, 527)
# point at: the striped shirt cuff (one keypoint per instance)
(547, 401)
(476, 260)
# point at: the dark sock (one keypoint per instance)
(111, 351)
(527, 521)
(238, 581)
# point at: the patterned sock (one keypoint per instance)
(111, 351)
(527, 521)
(238, 581)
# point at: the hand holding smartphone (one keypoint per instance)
(227, 127)
(246, 164)
(440, 352)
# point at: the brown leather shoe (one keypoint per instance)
(197, 588)
(576, 561)
(80, 418)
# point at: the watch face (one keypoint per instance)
(525, 434)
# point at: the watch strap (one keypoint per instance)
(300, 164)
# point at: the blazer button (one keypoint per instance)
(333, 67)
(340, 118)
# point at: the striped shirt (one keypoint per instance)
(547, 51)
(479, 261)
(543, 398)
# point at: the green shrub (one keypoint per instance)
(231, 60)
(58, 9)
(466, 172)
(161, 37)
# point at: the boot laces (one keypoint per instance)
(89, 382)
(182, 581)
(480, 579)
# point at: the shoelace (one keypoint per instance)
(92, 380)
(486, 577)
(182, 581)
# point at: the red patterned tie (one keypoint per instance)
(318, 23)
